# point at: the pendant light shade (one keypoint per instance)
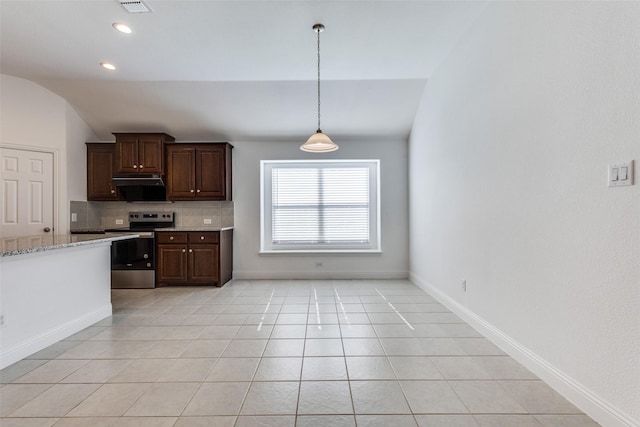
(319, 142)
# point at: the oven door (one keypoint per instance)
(133, 263)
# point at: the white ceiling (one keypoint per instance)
(235, 70)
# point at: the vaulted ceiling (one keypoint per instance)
(235, 70)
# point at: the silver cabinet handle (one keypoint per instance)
(201, 237)
(113, 191)
(190, 250)
(191, 191)
(184, 250)
(141, 166)
(170, 237)
(135, 166)
(198, 190)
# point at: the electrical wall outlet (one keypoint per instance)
(1, 319)
(119, 221)
(74, 217)
(207, 221)
(464, 285)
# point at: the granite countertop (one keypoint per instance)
(28, 244)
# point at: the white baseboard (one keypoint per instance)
(52, 336)
(318, 275)
(585, 399)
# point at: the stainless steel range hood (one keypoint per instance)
(141, 187)
(135, 179)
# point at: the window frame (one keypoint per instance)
(266, 212)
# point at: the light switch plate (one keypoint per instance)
(618, 171)
(207, 221)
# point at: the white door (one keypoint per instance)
(26, 192)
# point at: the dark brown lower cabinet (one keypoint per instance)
(194, 258)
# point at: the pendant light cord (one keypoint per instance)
(318, 31)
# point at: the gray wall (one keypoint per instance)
(391, 263)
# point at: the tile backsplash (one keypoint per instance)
(87, 216)
(92, 215)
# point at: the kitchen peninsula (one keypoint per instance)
(51, 286)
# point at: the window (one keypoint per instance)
(320, 206)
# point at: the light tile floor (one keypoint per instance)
(279, 353)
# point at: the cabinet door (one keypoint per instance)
(211, 173)
(181, 183)
(100, 166)
(127, 154)
(172, 264)
(150, 154)
(203, 263)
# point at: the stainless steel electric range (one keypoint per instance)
(133, 261)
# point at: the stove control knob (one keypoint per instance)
(148, 264)
(145, 256)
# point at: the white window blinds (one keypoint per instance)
(320, 205)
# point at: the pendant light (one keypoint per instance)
(319, 142)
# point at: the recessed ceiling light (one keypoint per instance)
(108, 66)
(123, 28)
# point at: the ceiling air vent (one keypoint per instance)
(135, 6)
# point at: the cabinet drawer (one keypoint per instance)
(204, 237)
(169, 237)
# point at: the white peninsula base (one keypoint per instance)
(47, 296)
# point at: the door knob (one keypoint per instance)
(47, 229)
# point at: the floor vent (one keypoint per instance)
(137, 6)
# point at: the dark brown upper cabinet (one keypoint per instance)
(101, 161)
(199, 171)
(141, 152)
